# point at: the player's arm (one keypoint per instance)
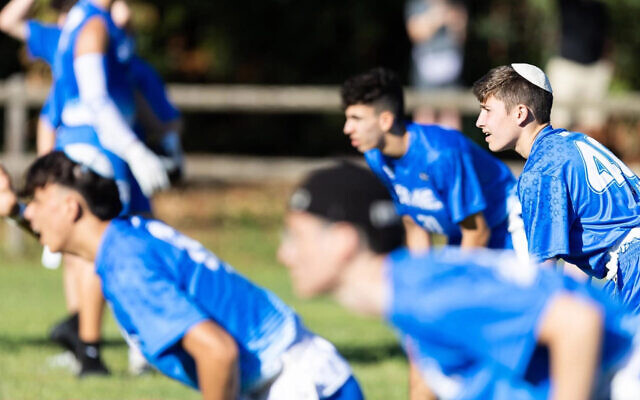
(418, 388)
(45, 136)
(571, 328)
(418, 239)
(475, 231)
(13, 18)
(112, 130)
(166, 135)
(216, 357)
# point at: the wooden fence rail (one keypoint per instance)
(17, 97)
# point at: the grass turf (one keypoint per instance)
(242, 226)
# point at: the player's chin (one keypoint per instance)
(495, 147)
(305, 291)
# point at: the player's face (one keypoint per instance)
(362, 125)
(501, 128)
(308, 250)
(50, 215)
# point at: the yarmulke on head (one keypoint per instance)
(349, 193)
(534, 75)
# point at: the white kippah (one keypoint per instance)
(90, 157)
(533, 74)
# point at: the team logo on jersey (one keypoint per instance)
(423, 176)
(423, 198)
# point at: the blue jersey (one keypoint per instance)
(160, 283)
(578, 199)
(470, 321)
(444, 178)
(119, 53)
(42, 40)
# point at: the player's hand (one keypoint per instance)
(147, 169)
(8, 198)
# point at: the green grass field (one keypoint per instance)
(242, 226)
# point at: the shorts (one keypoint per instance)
(312, 370)
(625, 288)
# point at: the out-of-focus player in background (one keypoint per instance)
(478, 324)
(195, 318)
(440, 181)
(92, 103)
(579, 201)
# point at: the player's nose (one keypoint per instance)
(480, 120)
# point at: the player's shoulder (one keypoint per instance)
(554, 152)
(436, 142)
(128, 234)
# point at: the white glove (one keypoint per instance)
(146, 168)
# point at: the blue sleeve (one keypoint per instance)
(154, 304)
(499, 318)
(151, 86)
(546, 214)
(461, 188)
(42, 40)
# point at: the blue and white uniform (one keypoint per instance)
(160, 284)
(470, 320)
(77, 120)
(444, 178)
(582, 204)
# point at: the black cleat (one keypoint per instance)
(90, 361)
(65, 333)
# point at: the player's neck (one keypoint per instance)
(362, 286)
(87, 236)
(528, 136)
(395, 146)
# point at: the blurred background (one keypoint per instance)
(302, 42)
(257, 84)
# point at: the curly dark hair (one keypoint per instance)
(378, 87)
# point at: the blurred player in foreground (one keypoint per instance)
(479, 324)
(440, 181)
(579, 201)
(194, 317)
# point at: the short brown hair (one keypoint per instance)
(506, 85)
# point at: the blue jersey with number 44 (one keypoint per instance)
(161, 283)
(444, 178)
(578, 199)
(470, 319)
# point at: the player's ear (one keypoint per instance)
(345, 240)
(386, 120)
(522, 114)
(73, 208)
